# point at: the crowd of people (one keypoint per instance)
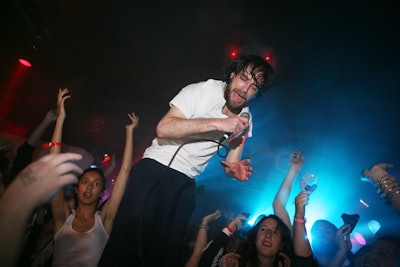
(144, 221)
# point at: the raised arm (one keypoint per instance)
(221, 240)
(281, 197)
(35, 137)
(110, 208)
(302, 245)
(59, 207)
(33, 186)
(25, 151)
(201, 239)
(385, 182)
(344, 246)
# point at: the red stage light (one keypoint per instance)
(25, 62)
(267, 58)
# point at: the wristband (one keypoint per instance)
(204, 226)
(229, 229)
(300, 220)
(50, 144)
(227, 232)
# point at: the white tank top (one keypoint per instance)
(72, 248)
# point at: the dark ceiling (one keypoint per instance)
(335, 96)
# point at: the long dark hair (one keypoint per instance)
(248, 250)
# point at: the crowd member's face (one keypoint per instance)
(381, 253)
(241, 88)
(90, 188)
(268, 239)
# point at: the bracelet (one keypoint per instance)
(204, 226)
(50, 144)
(392, 195)
(300, 220)
(384, 179)
(393, 191)
(388, 187)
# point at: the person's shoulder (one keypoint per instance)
(214, 83)
(207, 83)
(204, 87)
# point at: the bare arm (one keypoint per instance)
(201, 239)
(110, 208)
(233, 165)
(174, 124)
(35, 137)
(302, 246)
(33, 186)
(381, 178)
(25, 156)
(281, 197)
(59, 206)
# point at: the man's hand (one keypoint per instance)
(239, 170)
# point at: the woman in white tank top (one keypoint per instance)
(81, 233)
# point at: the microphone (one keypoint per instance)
(229, 137)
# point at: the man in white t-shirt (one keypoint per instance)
(160, 197)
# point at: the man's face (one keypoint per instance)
(241, 88)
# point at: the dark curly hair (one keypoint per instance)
(257, 64)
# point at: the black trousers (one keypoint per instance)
(152, 219)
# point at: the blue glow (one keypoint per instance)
(374, 226)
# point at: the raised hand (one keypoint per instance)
(230, 260)
(284, 261)
(51, 115)
(134, 121)
(297, 158)
(211, 217)
(376, 172)
(236, 224)
(343, 240)
(63, 94)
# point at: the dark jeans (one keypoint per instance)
(152, 219)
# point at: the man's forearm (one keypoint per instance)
(174, 127)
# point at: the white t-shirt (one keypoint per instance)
(199, 100)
